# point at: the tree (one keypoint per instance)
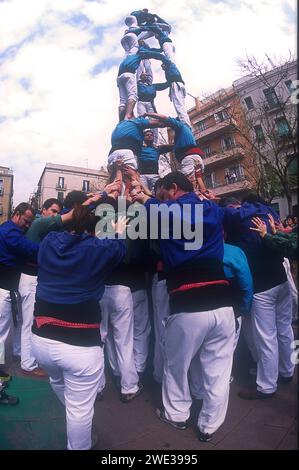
(267, 126)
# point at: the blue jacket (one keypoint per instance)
(172, 73)
(173, 251)
(73, 268)
(183, 137)
(236, 270)
(128, 134)
(15, 248)
(147, 92)
(132, 62)
(148, 161)
(266, 266)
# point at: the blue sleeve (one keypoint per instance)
(19, 245)
(230, 215)
(161, 86)
(239, 266)
(174, 123)
(152, 55)
(116, 248)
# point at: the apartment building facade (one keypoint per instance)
(57, 181)
(225, 150)
(271, 116)
(6, 193)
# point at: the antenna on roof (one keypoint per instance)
(270, 61)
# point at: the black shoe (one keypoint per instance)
(8, 399)
(254, 395)
(182, 425)
(4, 377)
(204, 437)
(126, 397)
(284, 380)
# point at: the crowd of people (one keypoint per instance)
(75, 287)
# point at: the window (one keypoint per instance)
(221, 116)
(259, 133)
(61, 182)
(227, 142)
(201, 125)
(60, 196)
(85, 186)
(249, 103)
(290, 86)
(207, 151)
(1, 209)
(271, 97)
(210, 180)
(283, 128)
(1, 187)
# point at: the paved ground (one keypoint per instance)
(267, 424)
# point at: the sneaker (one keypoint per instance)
(37, 372)
(204, 437)
(254, 395)
(126, 397)
(4, 377)
(182, 425)
(8, 399)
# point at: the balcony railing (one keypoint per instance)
(222, 188)
(212, 128)
(227, 153)
(59, 187)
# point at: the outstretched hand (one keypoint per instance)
(121, 225)
(259, 226)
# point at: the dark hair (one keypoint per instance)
(158, 184)
(253, 197)
(74, 198)
(49, 202)
(176, 177)
(229, 201)
(81, 220)
(22, 208)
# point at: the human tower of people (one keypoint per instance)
(78, 286)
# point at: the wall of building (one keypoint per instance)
(6, 192)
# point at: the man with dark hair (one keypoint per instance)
(148, 161)
(51, 207)
(74, 198)
(14, 249)
(201, 313)
(229, 201)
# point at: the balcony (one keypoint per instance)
(224, 188)
(213, 129)
(61, 188)
(272, 105)
(226, 155)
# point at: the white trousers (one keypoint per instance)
(142, 329)
(169, 51)
(117, 329)
(189, 164)
(129, 42)
(293, 288)
(212, 333)
(75, 373)
(273, 336)
(126, 156)
(161, 311)
(177, 94)
(27, 289)
(127, 87)
(5, 321)
(149, 181)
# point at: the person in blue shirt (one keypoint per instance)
(186, 150)
(73, 267)
(201, 314)
(126, 80)
(15, 249)
(148, 162)
(271, 311)
(145, 18)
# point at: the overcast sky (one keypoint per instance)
(59, 61)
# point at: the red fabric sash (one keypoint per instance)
(40, 321)
(194, 151)
(195, 285)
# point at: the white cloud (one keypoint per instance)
(67, 115)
